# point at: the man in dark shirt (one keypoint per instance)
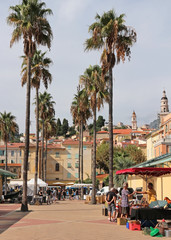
(48, 196)
(111, 201)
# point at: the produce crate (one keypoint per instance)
(135, 226)
(121, 221)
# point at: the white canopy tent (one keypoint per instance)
(40, 182)
(30, 185)
(15, 183)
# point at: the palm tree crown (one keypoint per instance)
(8, 126)
(39, 70)
(110, 33)
(29, 21)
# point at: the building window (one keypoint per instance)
(57, 154)
(14, 170)
(76, 175)
(68, 175)
(84, 147)
(12, 153)
(169, 149)
(57, 167)
(166, 129)
(20, 153)
(2, 153)
(12, 161)
(69, 147)
(2, 161)
(76, 156)
(69, 165)
(76, 165)
(69, 156)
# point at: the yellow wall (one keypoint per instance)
(67, 154)
(161, 185)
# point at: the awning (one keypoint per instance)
(146, 171)
(163, 159)
(7, 173)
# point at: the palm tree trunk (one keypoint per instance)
(110, 129)
(81, 152)
(45, 168)
(42, 160)
(6, 167)
(93, 197)
(79, 176)
(81, 158)
(24, 206)
(37, 141)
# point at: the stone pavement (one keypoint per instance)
(65, 220)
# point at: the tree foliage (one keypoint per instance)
(135, 154)
(65, 127)
(129, 155)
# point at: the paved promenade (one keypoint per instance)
(66, 220)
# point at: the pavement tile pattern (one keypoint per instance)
(65, 220)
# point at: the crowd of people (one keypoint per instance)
(56, 194)
(114, 200)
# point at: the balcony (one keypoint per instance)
(164, 141)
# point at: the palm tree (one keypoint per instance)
(121, 161)
(8, 128)
(50, 130)
(110, 33)
(39, 72)
(30, 23)
(46, 110)
(97, 92)
(80, 110)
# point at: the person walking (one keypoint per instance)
(54, 195)
(48, 196)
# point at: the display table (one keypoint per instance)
(150, 214)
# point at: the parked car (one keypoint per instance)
(103, 191)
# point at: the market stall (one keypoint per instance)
(145, 172)
(153, 211)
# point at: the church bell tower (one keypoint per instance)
(134, 121)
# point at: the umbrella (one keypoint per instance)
(70, 183)
(59, 183)
(145, 171)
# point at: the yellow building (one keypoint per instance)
(62, 161)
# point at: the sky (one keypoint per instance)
(138, 83)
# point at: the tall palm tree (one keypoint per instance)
(39, 72)
(8, 128)
(97, 92)
(50, 130)
(30, 23)
(46, 110)
(110, 34)
(80, 110)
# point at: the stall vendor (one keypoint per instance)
(150, 192)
